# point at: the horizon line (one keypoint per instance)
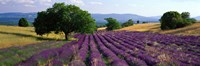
(102, 13)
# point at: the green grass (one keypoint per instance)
(11, 56)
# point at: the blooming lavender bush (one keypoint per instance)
(122, 48)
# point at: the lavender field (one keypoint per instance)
(122, 48)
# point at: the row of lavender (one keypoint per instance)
(122, 48)
(55, 56)
(174, 50)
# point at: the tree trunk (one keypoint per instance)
(66, 35)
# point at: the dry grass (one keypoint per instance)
(143, 27)
(102, 28)
(155, 27)
(20, 36)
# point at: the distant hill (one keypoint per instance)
(123, 17)
(197, 18)
(156, 17)
(12, 18)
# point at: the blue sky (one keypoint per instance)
(140, 7)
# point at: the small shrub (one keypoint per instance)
(138, 21)
(23, 22)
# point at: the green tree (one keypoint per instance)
(23, 22)
(185, 15)
(138, 21)
(128, 23)
(186, 20)
(192, 20)
(170, 20)
(112, 24)
(64, 18)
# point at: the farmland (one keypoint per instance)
(193, 29)
(99, 33)
(12, 55)
(122, 48)
(150, 46)
(103, 48)
(18, 36)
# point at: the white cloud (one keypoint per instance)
(75, 2)
(28, 5)
(45, 2)
(4, 1)
(27, 2)
(24, 1)
(96, 3)
(42, 2)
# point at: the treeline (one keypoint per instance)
(130, 22)
(169, 20)
(114, 24)
(70, 18)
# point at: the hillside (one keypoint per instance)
(155, 27)
(20, 36)
(13, 18)
(123, 17)
(197, 18)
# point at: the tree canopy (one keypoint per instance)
(185, 15)
(64, 18)
(112, 24)
(173, 19)
(23, 22)
(128, 23)
(186, 20)
(170, 19)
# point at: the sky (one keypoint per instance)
(140, 7)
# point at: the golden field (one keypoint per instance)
(20, 36)
(193, 29)
(102, 28)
